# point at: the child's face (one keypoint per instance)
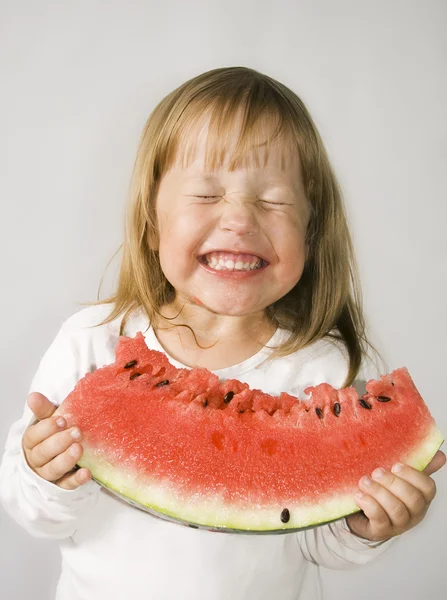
(243, 249)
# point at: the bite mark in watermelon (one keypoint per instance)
(187, 447)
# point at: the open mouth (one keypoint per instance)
(227, 261)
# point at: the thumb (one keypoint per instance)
(436, 463)
(358, 524)
(40, 405)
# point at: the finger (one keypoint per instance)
(417, 479)
(396, 510)
(52, 446)
(61, 464)
(73, 480)
(40, 405)
(436, 463)
(377, 525)
(35, 434)
(410, 495)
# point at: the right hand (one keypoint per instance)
(52, 450)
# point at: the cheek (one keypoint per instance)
(177, 230)
(291, 249)
(192, 223)
(180, 237)
(289, 269)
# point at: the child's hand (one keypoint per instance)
(50, 449)
(394, 502)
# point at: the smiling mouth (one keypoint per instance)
(227, 261)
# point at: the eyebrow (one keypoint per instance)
(200, 175)
(212, 178)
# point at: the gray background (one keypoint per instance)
(78, 80)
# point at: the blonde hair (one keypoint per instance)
(326, 302)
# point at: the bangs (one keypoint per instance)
(259, 121)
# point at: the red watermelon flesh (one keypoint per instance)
(219, 455)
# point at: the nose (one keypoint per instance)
(238, 215)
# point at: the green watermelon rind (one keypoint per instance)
(213, 512)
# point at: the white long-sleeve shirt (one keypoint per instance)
(112, 551)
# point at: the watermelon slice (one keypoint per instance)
(218, 455)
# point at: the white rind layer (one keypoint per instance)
(212, 511)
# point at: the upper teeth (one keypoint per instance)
(240, 262)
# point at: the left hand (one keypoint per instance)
(394, 501)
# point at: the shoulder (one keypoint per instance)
(332, 351)
(325, 361)
(92, 340)
(74, 351)
(373, 366)
(89, 322)
(81, 345)
(83, 331)
(87, 318)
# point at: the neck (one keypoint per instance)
(210, 340)
(210, 326)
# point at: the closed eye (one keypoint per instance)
(260, 200)
(275, 203)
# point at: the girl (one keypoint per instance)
(236, 250)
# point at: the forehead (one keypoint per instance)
(203, 150)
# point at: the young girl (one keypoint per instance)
(236, 249)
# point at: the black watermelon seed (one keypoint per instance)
(319, 412)
(336, 409)
(162, 383)
(383, 398)
(228, 397)
(285, 515)
(365, 403)
(130, 364)
(134, 375)
(205, 403)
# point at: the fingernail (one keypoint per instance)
(75, 434)
(397, 468)
(366, 480)
(378, 473)
(60, 422)
(359, 495)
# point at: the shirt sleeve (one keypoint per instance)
(39, 506)
(333, 545)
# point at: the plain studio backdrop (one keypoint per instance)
(79, 79)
